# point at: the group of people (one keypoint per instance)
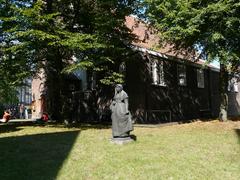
(23, 112)
(7, 116)
(12, 113)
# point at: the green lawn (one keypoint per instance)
(200, 150)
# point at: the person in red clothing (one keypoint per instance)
(43, 119)
(6, 117)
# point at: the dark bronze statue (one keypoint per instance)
(121, 117)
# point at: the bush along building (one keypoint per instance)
(163, 85)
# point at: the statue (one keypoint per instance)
(121, 117)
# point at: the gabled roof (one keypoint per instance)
(147, 39)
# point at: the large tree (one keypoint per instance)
(106, 20)
(33, 37)
(213, 25)
(46, 34)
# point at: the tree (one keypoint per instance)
(105, 19)
(34, 37)
(213, 25)
(13, 69)
(46, 34)
(8, 93)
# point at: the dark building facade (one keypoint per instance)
(164, 89)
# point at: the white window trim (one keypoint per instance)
(200, 78)
(184, 74)
(233, 85)
(122, 68)
(157, 73)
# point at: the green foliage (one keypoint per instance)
(8, 93)
(93, 30)
(106, 20)
(113, 78)
(84, 64)
(213, 25)
(47, 34)
(32, 32)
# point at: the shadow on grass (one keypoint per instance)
(35, 156)
(11, 127)
(132, 136)
(82, 126)
(238, 133)
(8, 129)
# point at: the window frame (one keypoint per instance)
(183, 68)
(233, 85)
(200, 78)
(157, 73)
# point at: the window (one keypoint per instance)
(25, 92)
(233, 85)
(122, 68)
(123, 71)
(200, 78)
(92, 80)
(157, 70)
(182, 78)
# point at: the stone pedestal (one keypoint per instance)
(121, 141)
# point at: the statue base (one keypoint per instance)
(121, 140)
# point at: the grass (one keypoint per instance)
(199, 150)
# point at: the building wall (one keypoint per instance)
(151, 103)
(214, 93)
(73, 84)
(136, 87)
(38, 95)
(200, 102)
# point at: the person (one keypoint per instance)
(22, 111)
(121, 117)
(44, 119)
(6, 117)
(26, 113)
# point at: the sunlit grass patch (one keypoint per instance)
(200, 150)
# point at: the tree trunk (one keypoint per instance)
(53, 68)
(223, 93)
(54, 99)
(54, 83)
